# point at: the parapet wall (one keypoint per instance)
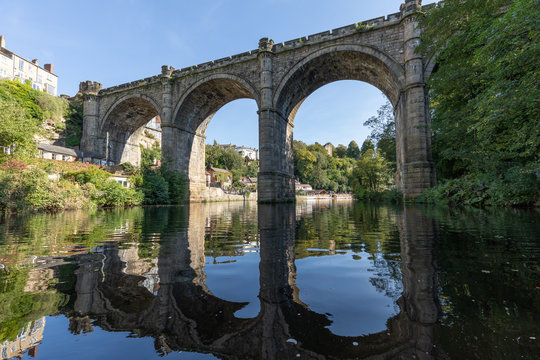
(367, 25)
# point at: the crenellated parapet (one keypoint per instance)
(90, 87)
(408, 8)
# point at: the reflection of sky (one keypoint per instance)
(60, 344)
(340, 285)
(236, 281)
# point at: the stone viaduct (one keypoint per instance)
(279, 77)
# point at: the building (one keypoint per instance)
(249, 182)
(153, 128)
(218, 177)
(54, 152)
(329, 148)
(15, 67)
(247, 152)
(302, 187)
(28, 339)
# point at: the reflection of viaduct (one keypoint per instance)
(279, 77)
(183, 314)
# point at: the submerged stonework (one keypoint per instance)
(279, 77)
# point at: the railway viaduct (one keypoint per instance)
(279, 77)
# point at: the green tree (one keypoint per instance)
(371, 173)
(383, 132)
(16, 129)
(340, 151)
(353, 151)
(485, 94)
(366, 145)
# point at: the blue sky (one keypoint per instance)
(118, 41)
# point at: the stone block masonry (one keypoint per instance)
(278, 77)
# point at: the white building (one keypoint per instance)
(15, 67)
(247, 152)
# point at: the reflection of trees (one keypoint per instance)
(359, 228)
(48, 234)
(180, 312)
(20, 307)
(488, 273)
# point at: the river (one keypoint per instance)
(312, 280)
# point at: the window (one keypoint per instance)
(40, 79)
(50, 89)
(21, 64)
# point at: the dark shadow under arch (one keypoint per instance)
(124, 123)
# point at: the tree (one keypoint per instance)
(366, 145)
(353, 151)
(340, 151)
(371, 173)
(383, 132)
(485, 93)
(17, 130)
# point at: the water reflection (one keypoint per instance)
(336, 281)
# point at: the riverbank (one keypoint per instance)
(40, 185)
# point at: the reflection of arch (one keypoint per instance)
(124, 121)
(185, 315)
(191, 117)
(333, 63)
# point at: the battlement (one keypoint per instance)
(90, 87)
(363, 26)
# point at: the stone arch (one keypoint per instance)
(334, 63)
(124, 121)
(431, 67)
(196, 107)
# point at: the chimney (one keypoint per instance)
(2, 41)
(49, 68)
(35, 62)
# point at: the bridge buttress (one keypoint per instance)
(89, 140)
(416, 170)
(276, 174)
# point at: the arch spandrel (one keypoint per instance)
(334, 63)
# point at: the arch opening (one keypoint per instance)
(327, 66)
(192, 117)
(129, 123)
(354, 63)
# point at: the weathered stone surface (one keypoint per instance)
(279, 77)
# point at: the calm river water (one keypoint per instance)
(326, 280)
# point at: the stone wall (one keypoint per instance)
(278, 77)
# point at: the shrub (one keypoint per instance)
(93, 175)
(155, 189)
(177, 184)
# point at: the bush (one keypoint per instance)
(93, 175)
(155, 189)
(519, 187)
(177, 185)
